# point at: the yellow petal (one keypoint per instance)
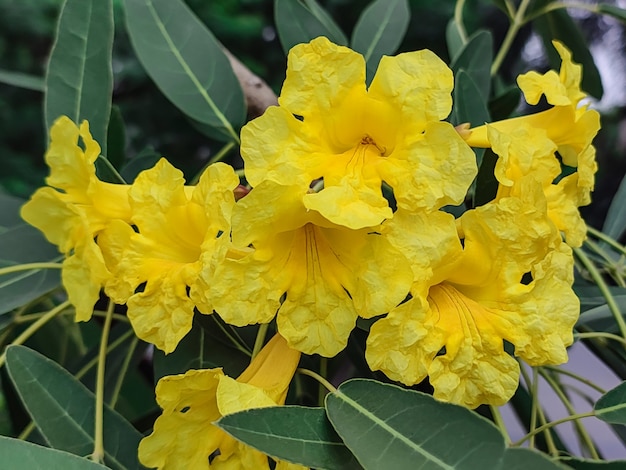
(162, 314)
(184, 436)
(319, 75)
(419, 84)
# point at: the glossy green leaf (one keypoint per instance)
(21, 455)
(79, 79)
(386, 426)
(297, 23)
(611, 407)
(187, 64)
(380, 30)
(559, 25)
(612, 10)
(454, 39)
(475, 59)
(615, 222)
(293, 433)
(25, 244)
(22, 80)
(524, 459)
(63, 410)
(585, 464)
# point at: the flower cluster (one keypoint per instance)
(346, 218)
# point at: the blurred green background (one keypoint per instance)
(246, 27)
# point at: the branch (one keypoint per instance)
(259, 96)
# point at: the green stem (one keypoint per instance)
(458, 19)
(123, 370)
(542, 418)
(317, 377)
(238, 343)
(605, 238)
(601, 334)
(98, 446)
(558, 6)
(582, 432)
(535, 405)
(260, 339)
(218, 157)
(597, 277)
(517, 23)
(28, 267)
(497, 419)
(26, 432)
(551, 424)
(114, 345)
(32, 329)
(568, 373)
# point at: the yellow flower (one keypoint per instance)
(317, 275)
(178, 232)
(184, 436)
(330, 125)
(75, 209)
(510, 280)
(567, 128)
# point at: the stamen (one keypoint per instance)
(367, 140)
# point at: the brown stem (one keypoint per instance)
(259, 96)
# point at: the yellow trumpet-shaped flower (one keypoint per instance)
(562, 134)
(177, 232)
(508, 281)
(315, 276)
(74, 210)
(330, 125)
(184, 436)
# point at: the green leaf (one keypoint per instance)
(380, 30)
(611, 407)
(523, 459)
(612, 10)
(22, 455)
(601, 318)
(145, 159)
(10, 211)
(327, 20)
(63, 409)
(386, 426)
(615, 222)
(293, 433)
(79, 79)
(201, 348)
(116, 138)
(560, 26)
(297, 23)
(454, 39)
(584, 464)
(486, 182)
(475, 59)
(22, 80)
(187, 64)
(25, 244)
(469, 103)
(502, 106)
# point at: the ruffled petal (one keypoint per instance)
(184, 436)
(419, 84)
(319, 75)
(431, 170)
